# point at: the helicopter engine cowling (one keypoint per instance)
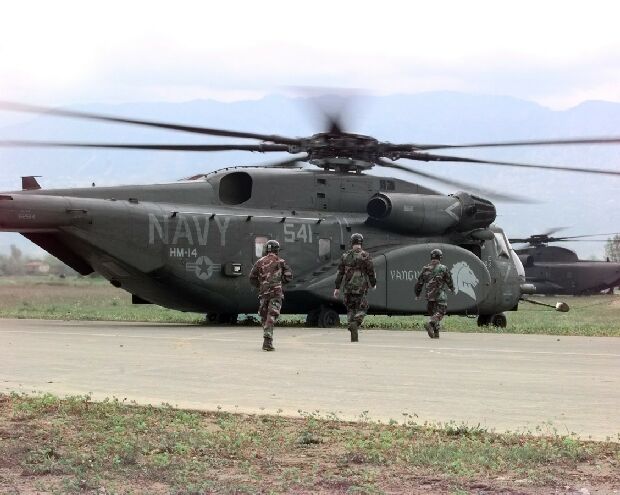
(430, 214)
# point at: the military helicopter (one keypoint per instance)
(189, 245)
(558, 270)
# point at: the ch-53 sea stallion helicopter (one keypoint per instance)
(558, 270)
(189, 245)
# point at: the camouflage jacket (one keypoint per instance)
(436, 277)
(358, 272)
(269, 274)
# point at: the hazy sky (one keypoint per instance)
(554, 52)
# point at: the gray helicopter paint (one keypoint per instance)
(557, 270)
(186, 228)
(471, 277)
(176, 253)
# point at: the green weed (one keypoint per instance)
(90, 445)
(88, 298)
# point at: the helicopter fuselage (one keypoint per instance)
(557, 270)
(190, 245)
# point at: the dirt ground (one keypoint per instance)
(247, 454)
(15, 480)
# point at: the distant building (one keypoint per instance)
(36, 267)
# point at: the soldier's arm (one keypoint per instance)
(420, 283)
(287, 273)
(254, 276)
(341, 269)
(370, 271)
(449, 281)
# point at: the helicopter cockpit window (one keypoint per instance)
(259, 246)
(501, 245)
(515, 259)
(325, 248)
(235, 188)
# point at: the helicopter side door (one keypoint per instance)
(304, 247)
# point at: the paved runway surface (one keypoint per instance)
(506, 382)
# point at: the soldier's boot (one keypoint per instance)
(429, 329)
(268, 344)
(436, 326)
(353, 329)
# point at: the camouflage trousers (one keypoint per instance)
(269, 311)
(436, 310)
(357, 306)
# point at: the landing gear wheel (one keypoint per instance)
(499, 320)
(312, 319)
(222, 318)
(484, 320)
(328, 318)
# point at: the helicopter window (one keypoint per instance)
(235, 188)
(325, 248)
(259, 246)
(501, 245)
(518, 263)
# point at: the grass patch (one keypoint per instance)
(95, 299)
(75, 444)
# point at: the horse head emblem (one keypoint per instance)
(464, 279)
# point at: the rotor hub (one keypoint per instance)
(342, 164)
(358, 150)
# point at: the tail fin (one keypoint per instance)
(29, 183)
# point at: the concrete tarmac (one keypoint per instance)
(504, 382)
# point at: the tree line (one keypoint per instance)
(15, 263)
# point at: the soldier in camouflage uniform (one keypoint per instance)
(436, 277)
(358, 272)
(268, 275)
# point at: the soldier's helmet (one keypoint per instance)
(272, 246)
(436, 254)
(357, 239)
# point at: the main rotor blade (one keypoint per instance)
(153, 147)
(452, 182)
(57, 112)
(579, 240)
(553, 230)
(333, 105)
(538, 237)
(587, 235)
(290, 163)
(542, 142)
(544, 238)
(428, 157)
